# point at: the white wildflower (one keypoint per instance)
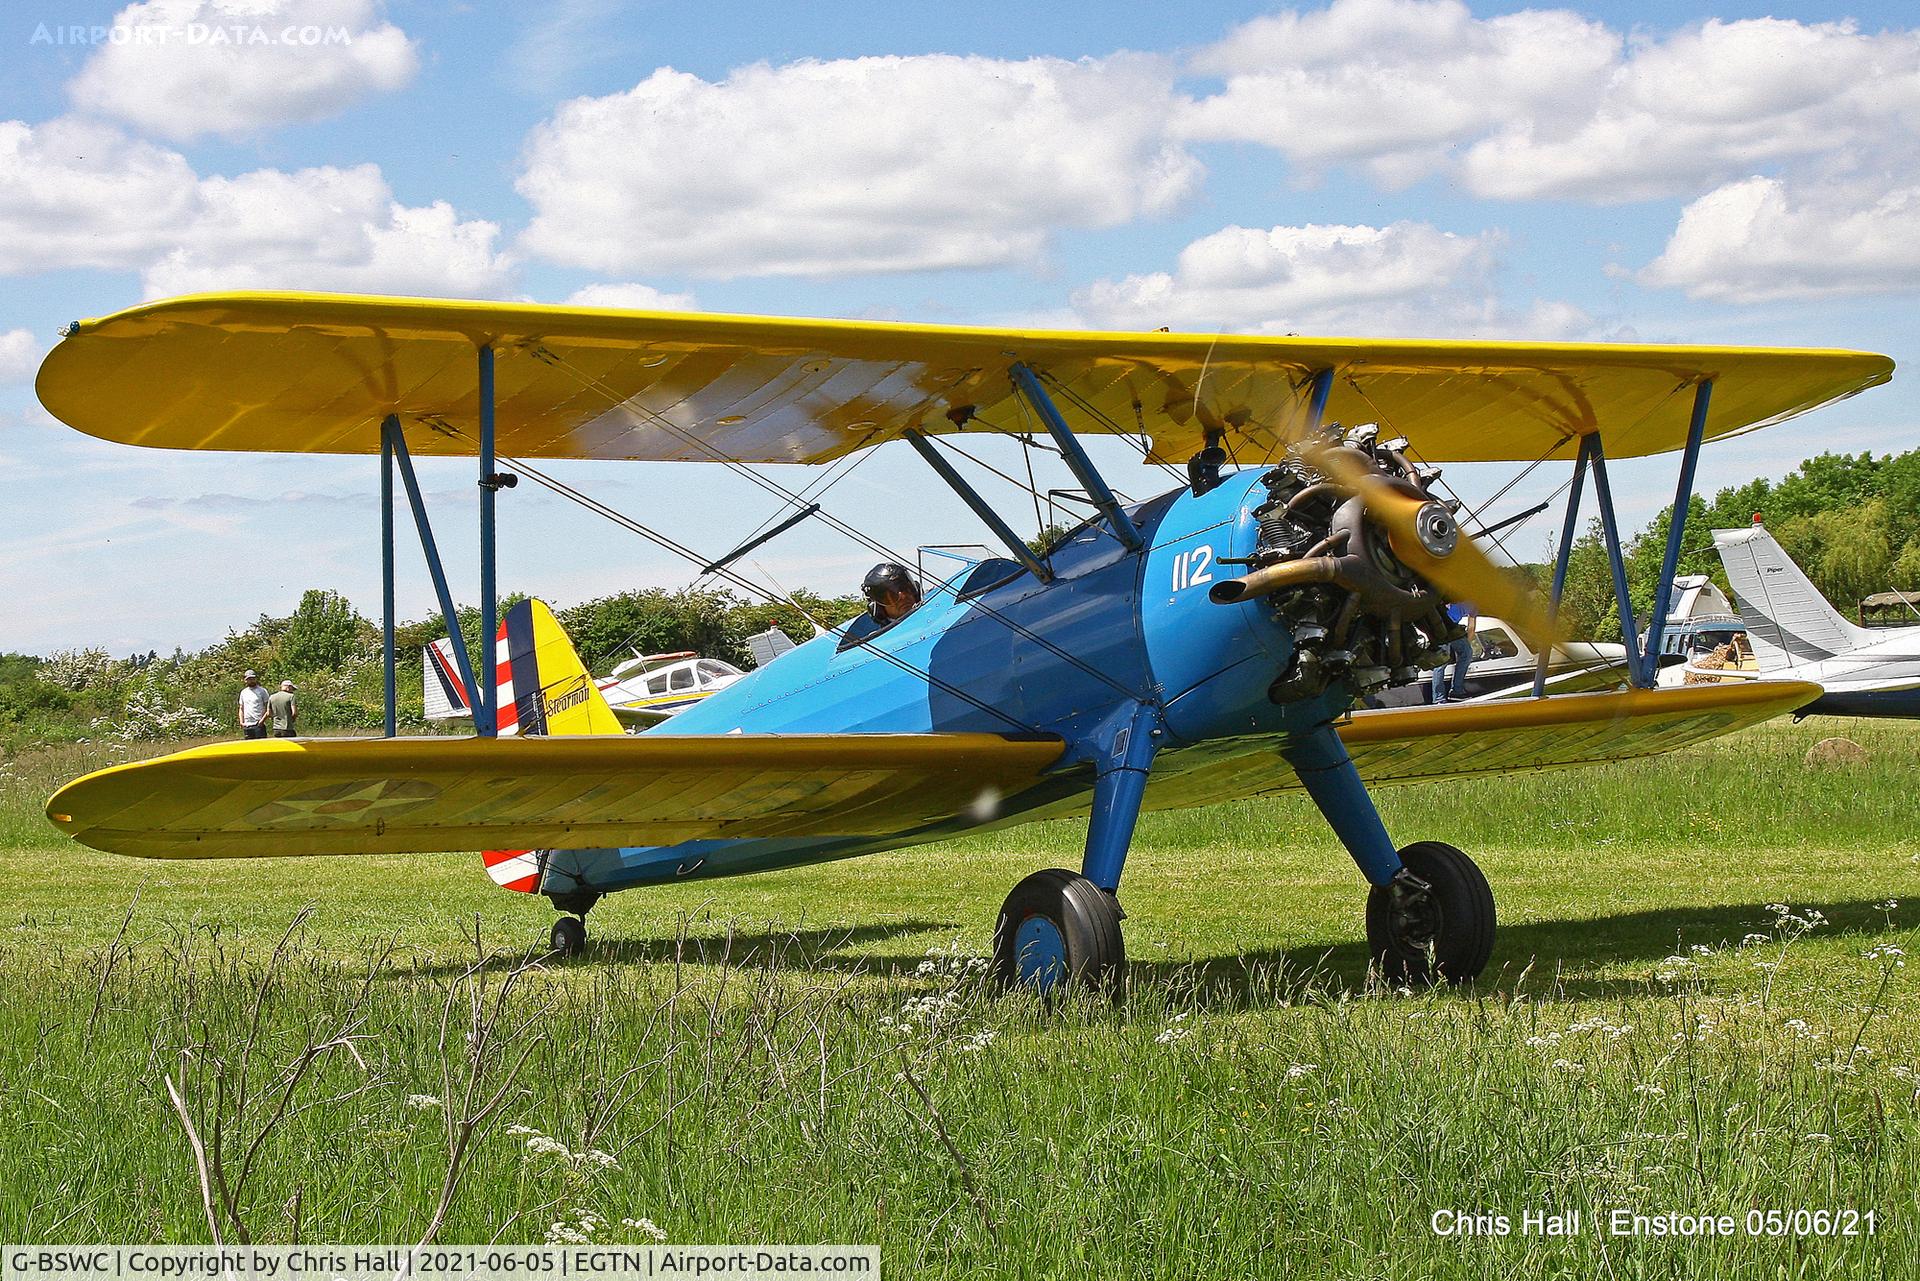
(1569, 1067)
(541, 1145)
(646, 1227)
(425, 1102)
(596, 1159)
(1651, 1090)
(1298, 1070)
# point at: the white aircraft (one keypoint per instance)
(1504, 664)
(648, 688)
(1794, 634)
(642, 691)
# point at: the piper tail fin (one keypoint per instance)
(1788, 621)
(542, 688)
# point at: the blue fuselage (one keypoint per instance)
(998, 650)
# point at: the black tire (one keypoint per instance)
(1443, 933)
(569, 936)
(1056, 929)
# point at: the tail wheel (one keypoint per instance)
(1434, 921)
(1059, 928)
(569, 936)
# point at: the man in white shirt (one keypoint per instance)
(253, 707)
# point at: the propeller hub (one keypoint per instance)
(1436, 529)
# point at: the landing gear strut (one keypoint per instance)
(1433, 920)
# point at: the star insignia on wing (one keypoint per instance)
(363, 803)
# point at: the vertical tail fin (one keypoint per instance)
(443, 693)
(542, 688)
(540, 683)
(1788, 620)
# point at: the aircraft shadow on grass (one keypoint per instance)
(1559, 957)
(743, 948)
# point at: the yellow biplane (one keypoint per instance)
(1205, 644)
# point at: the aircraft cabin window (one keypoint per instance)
(683, 678)
(657, 684)
(712, 671)
(1495, 643)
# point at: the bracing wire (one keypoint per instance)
(832, 521)
(621, 519)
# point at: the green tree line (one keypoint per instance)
(332, 653)
(1851, 521)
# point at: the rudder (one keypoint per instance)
(1788, 621)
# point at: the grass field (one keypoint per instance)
(810, 1056)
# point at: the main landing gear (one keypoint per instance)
(1430, 914)
(1059, 928)
(1433, 920)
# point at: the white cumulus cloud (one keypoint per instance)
(19, 356)
(1765, 239)
(85, 195)
(1549, 104)
(1715, 103)
(82, 194)
(857, 165)
(328, 229)
(183, 68)
(631, 297)
(1408, 277)
(1393, 84)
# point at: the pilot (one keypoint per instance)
(891, 592)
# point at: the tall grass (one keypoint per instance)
(811, 1056)
(772, 1099)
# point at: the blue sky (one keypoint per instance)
(1660, 172)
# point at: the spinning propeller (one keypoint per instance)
(1425, 537)
(1358, 517)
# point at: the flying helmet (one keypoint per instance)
(886, 577)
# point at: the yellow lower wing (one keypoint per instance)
(386, 796)
(1416, 744)
(378, 796)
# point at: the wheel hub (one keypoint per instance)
(1041, 953)
(1413, 912)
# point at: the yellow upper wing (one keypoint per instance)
(315, 373)
(401, 795)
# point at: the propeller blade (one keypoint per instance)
(1426, 539)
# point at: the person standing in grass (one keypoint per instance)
(284, 711)
(253, 707)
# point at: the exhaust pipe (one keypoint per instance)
(1273, 578)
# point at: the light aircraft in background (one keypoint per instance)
(1204, 644)
(1794, 634)
(1504, 665)
(643, 690)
